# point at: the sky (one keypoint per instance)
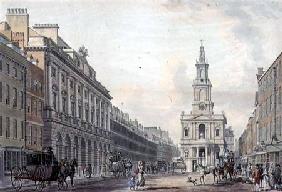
(144, 52)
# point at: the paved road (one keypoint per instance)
(167, 183)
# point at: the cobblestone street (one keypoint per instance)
(169, 183)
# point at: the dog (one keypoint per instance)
(190, 180)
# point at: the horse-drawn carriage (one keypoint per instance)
(42, 168)
(178, 165)
(119, 166)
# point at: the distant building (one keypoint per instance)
(166, 150)
(229, 139)
(202, 132)
(129, 138)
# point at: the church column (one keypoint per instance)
(197, 154)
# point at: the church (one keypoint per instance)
(202, 138)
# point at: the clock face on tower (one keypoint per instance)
(202, 106)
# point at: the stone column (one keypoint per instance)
(60, 91)
(2, 165)
(50, 86)
(109, 117)
(197, 154)
(90, 107)
(206, 155)
(105, 115)
(98, 160)
(95, 110)
(100, 112)
(212, 155)
(76, 98)
(68, 97)
(83, 104)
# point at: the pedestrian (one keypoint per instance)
(265, 180)
(256, 176)
(277, 176)
(89, 170)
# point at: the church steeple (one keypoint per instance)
(202, 86)
(202, 58)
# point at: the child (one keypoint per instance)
(132, 183)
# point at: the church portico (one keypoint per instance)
(202, 139)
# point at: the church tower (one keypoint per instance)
(202, 103)
(202, 140)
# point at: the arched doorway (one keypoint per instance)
(202, 131)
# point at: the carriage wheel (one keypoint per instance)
(16, 179)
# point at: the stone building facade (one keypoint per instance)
(202, 140)
(12, 105)
(129, 138)
(166, 150)
(34, 106)
(261, 139)
(76, 105)
(229, 139)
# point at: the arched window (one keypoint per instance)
(186, 132)
(202, 131)
(217, 132)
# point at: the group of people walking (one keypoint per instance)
(265, 176)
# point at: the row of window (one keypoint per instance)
(11, 69)
(80, 110)
(9, 128)
(194, 153)
(34, 85)
(34, 106)
(268, 105)
(12, 96)
(13, 159)
(33, 135)
(201, 133)
(266, 131)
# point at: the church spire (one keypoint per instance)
(202, 58)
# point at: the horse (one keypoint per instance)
(118, 168)
(202, 170)
(128, 167)
(67, 169)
